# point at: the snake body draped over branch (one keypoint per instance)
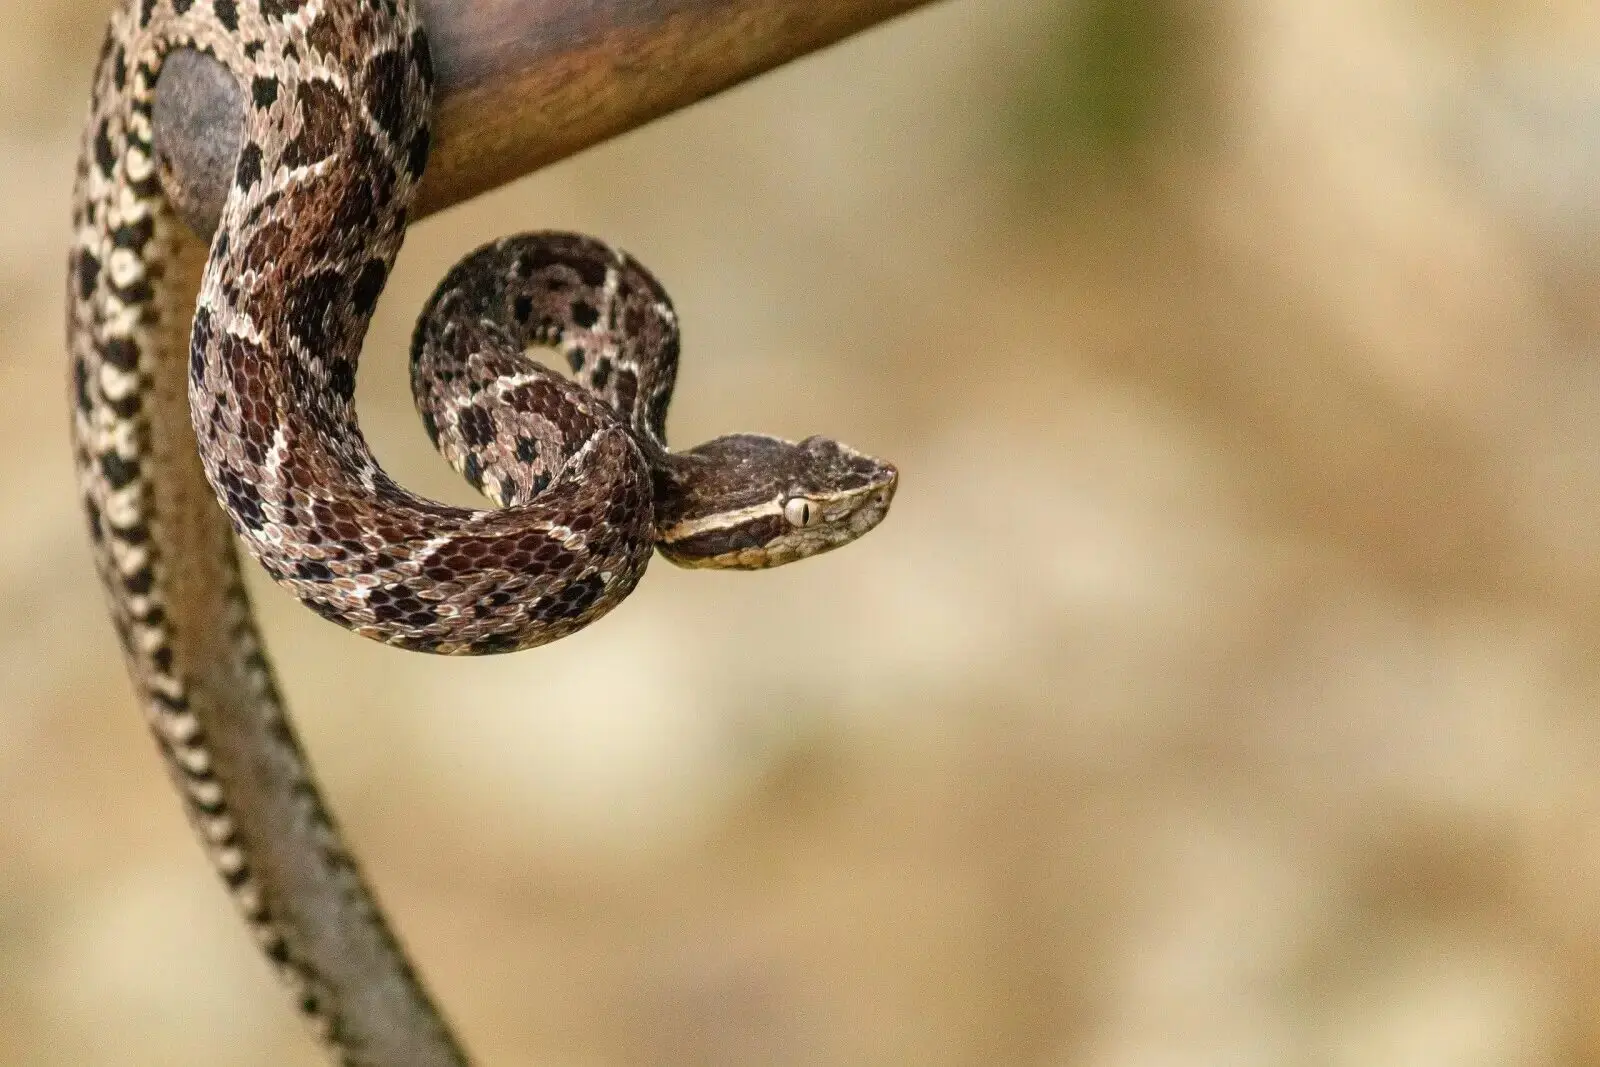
(225, 376)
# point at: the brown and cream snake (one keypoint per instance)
(259, 418)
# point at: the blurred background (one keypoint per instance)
(1221, 690)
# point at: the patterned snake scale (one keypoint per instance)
(259, 418)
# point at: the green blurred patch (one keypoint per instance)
(1104, 90)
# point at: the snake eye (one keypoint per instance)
(802, 512)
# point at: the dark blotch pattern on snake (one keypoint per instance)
(243, 395)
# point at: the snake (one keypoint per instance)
(211, 392)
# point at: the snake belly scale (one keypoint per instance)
(225, 376)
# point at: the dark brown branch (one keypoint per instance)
(523, 83)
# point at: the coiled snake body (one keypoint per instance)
(259, 418)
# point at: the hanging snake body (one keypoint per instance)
(226, 376)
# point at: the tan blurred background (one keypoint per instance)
(1221, 690)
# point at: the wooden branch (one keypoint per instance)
(523, 83)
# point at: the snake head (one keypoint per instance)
(747, 502)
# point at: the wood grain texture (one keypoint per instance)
(523, 83)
